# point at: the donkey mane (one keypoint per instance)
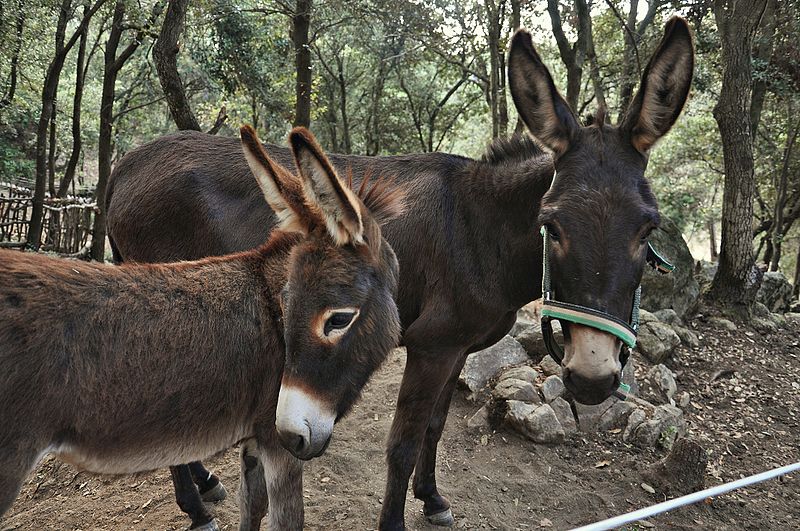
(516, 148)
(384, 198)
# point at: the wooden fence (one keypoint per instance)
(67, 224)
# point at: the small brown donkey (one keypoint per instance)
(471, 253)
(120, 369)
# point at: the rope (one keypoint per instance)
(695, 497)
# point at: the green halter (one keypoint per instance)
(574, 313)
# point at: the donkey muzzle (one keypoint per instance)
(304, 423)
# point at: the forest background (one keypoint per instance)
(84, 81)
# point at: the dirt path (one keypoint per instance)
(748, 419)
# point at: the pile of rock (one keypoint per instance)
(530, 398)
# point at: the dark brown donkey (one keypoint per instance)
(470, 251)
(136, 367)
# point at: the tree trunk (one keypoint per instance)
(631, 62)
(712, 240)
(301, 20)
(77, 141)
(573, 56)
(51, 155)
(343, 104)
(762, 52)
(493, 38)
(796, 290)
(737, 279)
(165, 57)
(516, 23)
(781, 189)
(113, 63)
(12, 81)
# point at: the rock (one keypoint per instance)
(635, 419)
(538, 423)
(668, 315)
(792, 317)
(678, 290)
(764, 325)
(659, 385)
(684, 399)
(564, 415)
(550, 367)
(589, 416)
(721, 322)
(483, 365)
(646, 317)
(514, 389)
(778, 319)
(760, 310)
(532, 341)
(552, 388)
(775, 292)
(480, 419)
(662, 428)
(525, 373)
(656, 341)
(524, 320)
(688, 337)
(616, 416)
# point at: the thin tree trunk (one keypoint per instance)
(51, 155)
(12, 81)
(343, 104)
(781, 189)
(796, 290)
(762, 52)
(573, 56)
(712, 240)
(737, 279)
(516, 23)
(631, 63)
(113, 63)
(80, 79)
(301, 20)
(493, 37)
(165, 57)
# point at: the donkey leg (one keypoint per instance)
(211, 490)
(14, 468)
(253, 499)
(424, 379)
(189, 501)
(284, 479)
(436, 507)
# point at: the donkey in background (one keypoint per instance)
(471, 254)
(121, 369)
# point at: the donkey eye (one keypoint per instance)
(646, 235)
(338, 321)
(551, 230)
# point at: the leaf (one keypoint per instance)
(545, 522)
(648, 488)
(602, 464)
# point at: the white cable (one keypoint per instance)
(695, 497)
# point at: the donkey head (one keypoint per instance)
(600, 209)
(339, 315)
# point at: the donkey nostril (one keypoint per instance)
(294, 442)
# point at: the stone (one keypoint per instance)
(688, 337)
(659, 385)
(564, 415)
(792, 317)
(677, 290)
(550, 367)
(646, 317)
(760, 310)
(524, 321)
(538, 423)
(764, 325)
(721, 322)
(661, 429)
(656, 341)
(513, 389)
(669, 316)
(775, 292)
(483, 365)
(532, 340)
(684, 399)
(523, 372)
(552, 388)
(616, 416)
(778, 319)
(589, 415)
(480, 419)
(635, 419)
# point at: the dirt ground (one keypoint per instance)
(744, 410)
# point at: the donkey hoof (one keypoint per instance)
(217, 493)
(209, 526)
(443, 518)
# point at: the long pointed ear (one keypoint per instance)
(282, 190)
(538, 102)
(323, 187)
(664, 87)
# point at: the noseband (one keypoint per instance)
(583, 315)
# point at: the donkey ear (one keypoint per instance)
(538, 102)
(664, 87)
(282, 190)
(338, 205)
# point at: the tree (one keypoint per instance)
(165, 56)
(301, 20)
(737, 279)
(50, 87)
